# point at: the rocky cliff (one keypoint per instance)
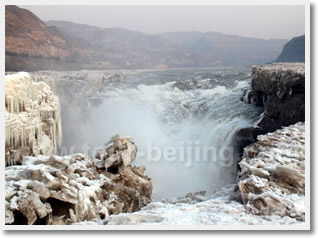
(54, 190)
(280, 89)
(32, 118)
(272, 170)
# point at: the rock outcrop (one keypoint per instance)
(280, 89)
(32, 118)
(75, 188)
(272, 177)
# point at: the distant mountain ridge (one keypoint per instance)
(228, 49)
(293, 51)
(128, 49)
(32, 44)
(199, 49)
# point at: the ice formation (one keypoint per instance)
(64, 190)
(32, 118)
(272, 177)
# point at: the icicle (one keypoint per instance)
(32, 111)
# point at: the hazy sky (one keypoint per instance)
(253, 21)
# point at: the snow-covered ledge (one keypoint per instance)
(272, 179)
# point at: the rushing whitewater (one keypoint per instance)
(182, 121)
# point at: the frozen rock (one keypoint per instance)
(272, 177)
(280, 89)
(121, 152)
(71, 189)
(32, 118)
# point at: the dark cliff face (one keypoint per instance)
(293, 51)
(280, 89)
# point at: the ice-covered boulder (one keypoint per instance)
(70, 189)
(272, 177)
(32, 118)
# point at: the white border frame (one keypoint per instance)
(305, 226)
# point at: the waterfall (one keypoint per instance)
(182, 121)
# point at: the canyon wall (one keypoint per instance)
(32, 118)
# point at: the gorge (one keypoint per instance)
(164, 107)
